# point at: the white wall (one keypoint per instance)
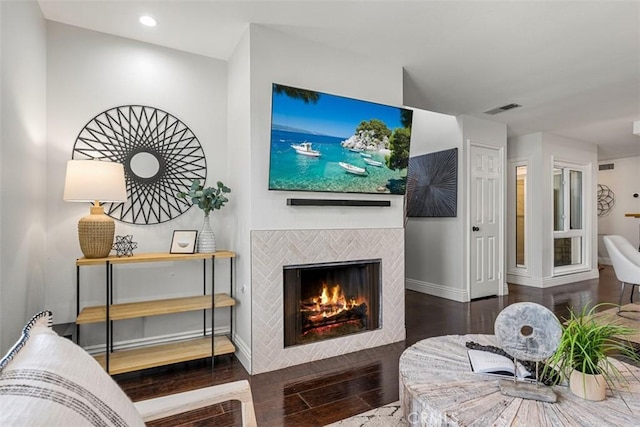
(277, 58)
(239, 96)
(624, 181)
(432, 242)
(88, 73)
(437, 261)
(542, 149)
(22, 167)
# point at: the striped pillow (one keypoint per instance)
(48, 380)
(44, 318)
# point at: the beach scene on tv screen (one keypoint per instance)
(329, 143)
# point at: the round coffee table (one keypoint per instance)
(437, 388)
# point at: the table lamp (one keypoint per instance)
(95, 181)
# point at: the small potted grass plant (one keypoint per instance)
(582, 355)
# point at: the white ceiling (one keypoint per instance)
(574, 65)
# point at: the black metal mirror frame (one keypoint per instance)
(122, 133)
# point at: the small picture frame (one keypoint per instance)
(183, 242)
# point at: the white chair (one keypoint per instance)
(626, 264)
(166, 406)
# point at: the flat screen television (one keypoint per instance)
(328, 143)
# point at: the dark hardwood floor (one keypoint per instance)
(319, 393)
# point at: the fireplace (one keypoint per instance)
(330, 300)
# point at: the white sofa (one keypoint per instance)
(48, 380)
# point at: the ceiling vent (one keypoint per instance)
(502, 109)
(605, 166)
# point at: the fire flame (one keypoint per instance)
(332, 301)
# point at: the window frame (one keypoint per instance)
(566, 231)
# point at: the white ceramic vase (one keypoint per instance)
(206, 237)
(587, 386)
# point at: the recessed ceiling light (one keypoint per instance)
(148, 21)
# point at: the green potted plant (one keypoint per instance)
(582, 354)
(207, 199)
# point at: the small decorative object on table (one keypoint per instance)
(207, 199)
(183, 242)
(124, 245)
(531, 332)
(583, 351)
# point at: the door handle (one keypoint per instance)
(474, 228)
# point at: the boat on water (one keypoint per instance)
(365, 155)
(372, 162)
(355, 150)
(352, 169)
(305, 149)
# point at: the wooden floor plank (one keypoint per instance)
(278, 395)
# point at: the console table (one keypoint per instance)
(437, 388)
(144, 357)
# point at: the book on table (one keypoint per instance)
(491, 363)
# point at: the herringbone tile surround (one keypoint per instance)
(271, 250)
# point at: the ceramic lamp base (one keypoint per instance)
(95, 233)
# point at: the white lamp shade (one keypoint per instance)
(90, 180)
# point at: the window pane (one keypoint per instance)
(521, 175)
(575, 200)
(558, 200)
(567, 251)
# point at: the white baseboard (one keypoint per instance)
(505, 289)
(158, 339)
(437, 290)
(570, 278)
(548, 282)
(243, 352)
(516, 279)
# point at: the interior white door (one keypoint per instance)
(486, 221)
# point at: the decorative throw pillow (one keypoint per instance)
(43, 318)
(48, 380)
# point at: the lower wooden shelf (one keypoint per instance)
(164, 354)
(133, 310)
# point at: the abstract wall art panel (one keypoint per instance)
(432, 184)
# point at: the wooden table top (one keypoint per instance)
(438, 388)
(634, 215)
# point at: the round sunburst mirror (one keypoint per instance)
(160, 154)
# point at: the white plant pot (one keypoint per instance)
(587, 386)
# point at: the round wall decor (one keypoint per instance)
(606, 200)
(160, 154)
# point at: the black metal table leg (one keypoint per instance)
(231, 295)
(213, 309)
(109, 337)
(204, 292)
(77, 303)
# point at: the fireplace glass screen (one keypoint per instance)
(330, 300)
